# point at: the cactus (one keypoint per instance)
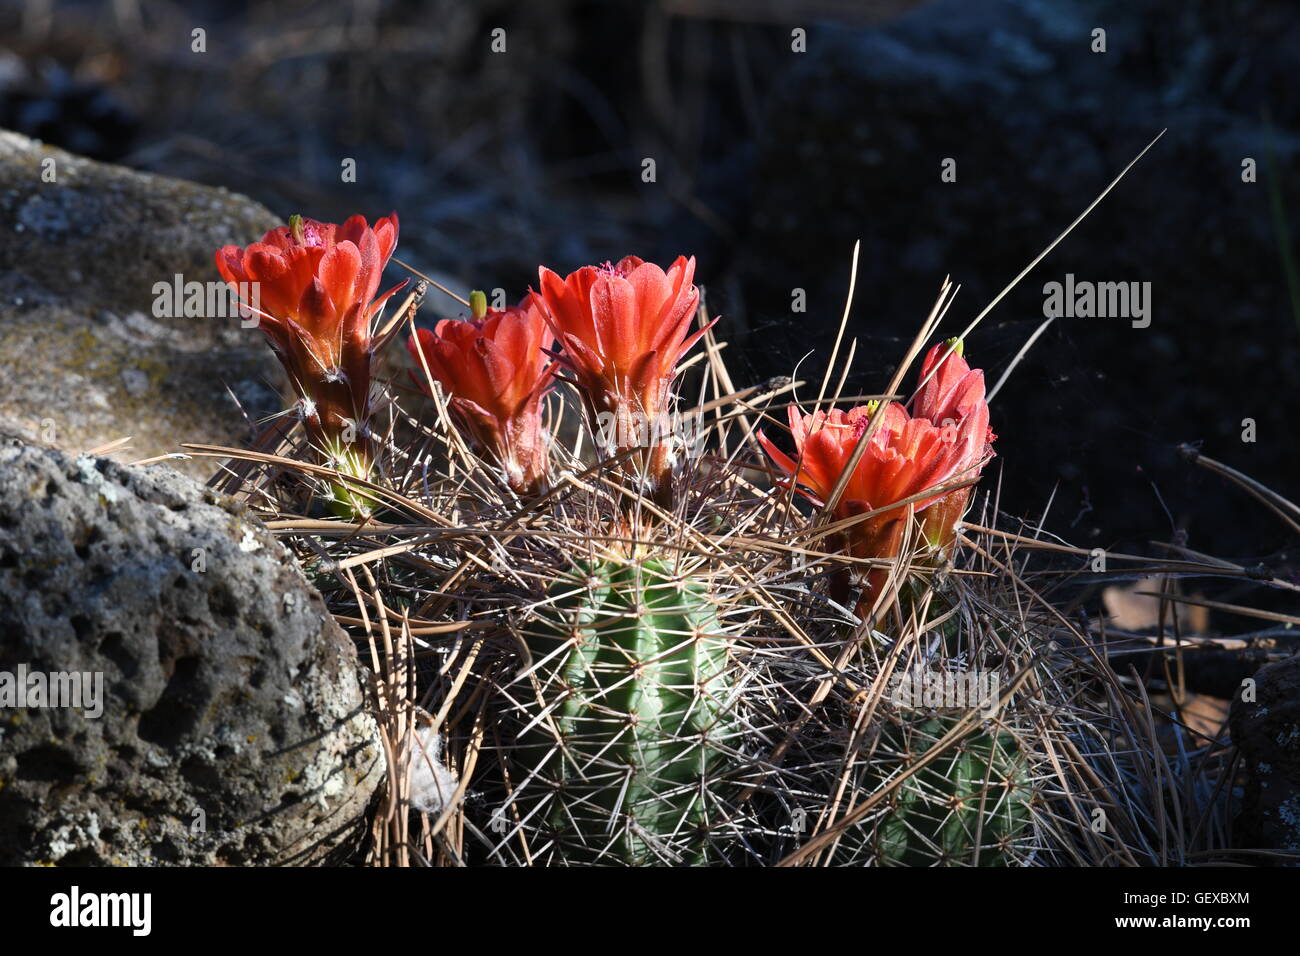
(623, 759)
(619, 720)
(967, 807)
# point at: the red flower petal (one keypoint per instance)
(338, 272)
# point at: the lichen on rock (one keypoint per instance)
(80, 257)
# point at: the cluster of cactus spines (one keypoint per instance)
(971, 806)
(971, 800)
(623, 755)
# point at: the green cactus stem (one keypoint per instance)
(968, 807)
(632, 674)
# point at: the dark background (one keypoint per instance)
(770, 163)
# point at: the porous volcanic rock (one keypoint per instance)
(232, 728)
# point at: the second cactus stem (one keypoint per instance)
(971, 806)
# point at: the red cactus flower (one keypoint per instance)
(624, 328)
(950, 394)
(495, 369)
(946, 440)
(953, 396)
(315, 286)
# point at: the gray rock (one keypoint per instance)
(1267, 734)
(229, 697)
(79, 260)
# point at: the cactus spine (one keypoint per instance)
(636, 659)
